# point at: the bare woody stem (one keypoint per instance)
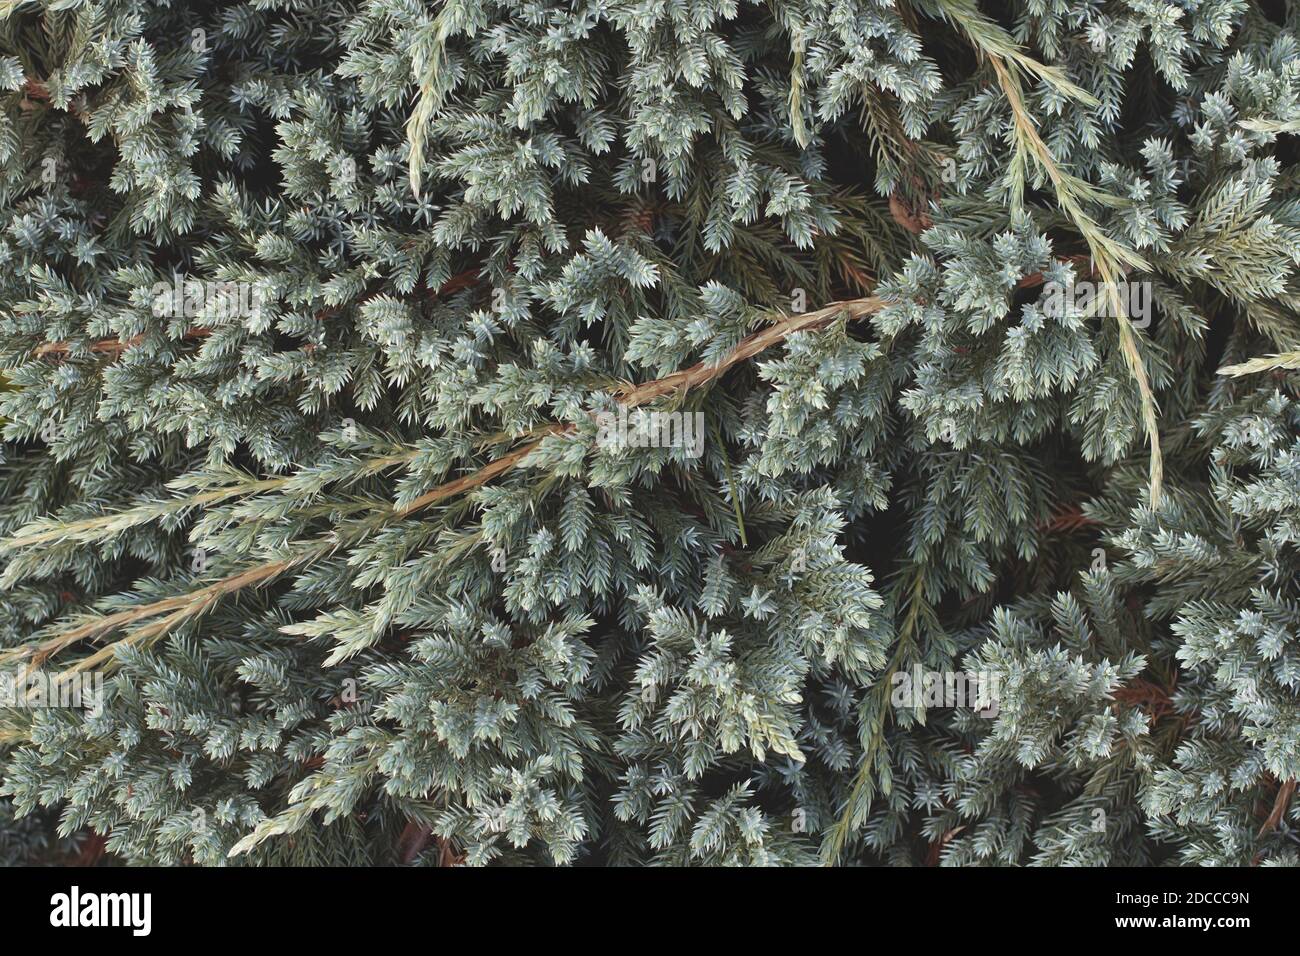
(110, 346)
(1284, 794)
(676, 383)
(178, 608)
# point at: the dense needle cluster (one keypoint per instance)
(959, 338)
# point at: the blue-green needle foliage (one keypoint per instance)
(309, 311)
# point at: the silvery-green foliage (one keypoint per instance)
(468, 229)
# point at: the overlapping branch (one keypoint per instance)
(181, 607)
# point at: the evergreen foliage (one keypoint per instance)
(363, 583)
